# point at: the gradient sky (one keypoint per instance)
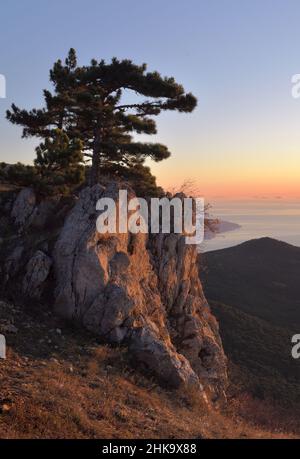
(236, 56)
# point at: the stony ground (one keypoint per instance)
(58, 382)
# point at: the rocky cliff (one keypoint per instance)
(133, 290)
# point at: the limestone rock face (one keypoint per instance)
(193, 329)
(140, 291)
(137, 290)
(162, 359)
(13, 260)
(37, 271)
(23, 206)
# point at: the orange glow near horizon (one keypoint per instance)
(257, 154)
(239, 189)
(234, 182)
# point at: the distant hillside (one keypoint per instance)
(260, 277)
(254, 291)
(260, 356)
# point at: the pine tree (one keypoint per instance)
(87, 105)
(59, 163)
(57, 169)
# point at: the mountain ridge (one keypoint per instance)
(254, 292)
(259, 276)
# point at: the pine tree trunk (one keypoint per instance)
(95, 169)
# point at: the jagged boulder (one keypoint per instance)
(30, 213)
(193, 329)
(24, 206)
(13, 260)
(137, 291)
(37, 271)
(170, 366)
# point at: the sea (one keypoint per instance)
(278, 219)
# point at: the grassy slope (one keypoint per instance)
(65, 385)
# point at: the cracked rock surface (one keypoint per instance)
(137, 290)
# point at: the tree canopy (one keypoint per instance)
(102, 106)
(57, 168)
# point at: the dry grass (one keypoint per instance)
(264, 413)
(65, 385)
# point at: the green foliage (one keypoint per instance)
(138, 176)
(87, 105)
(59, 162)
(18, 174)
(57, 168)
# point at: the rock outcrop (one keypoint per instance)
(145, 293)
(129, 289)
(23, 207)
(37, 271)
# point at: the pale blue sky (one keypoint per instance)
(236, 56)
